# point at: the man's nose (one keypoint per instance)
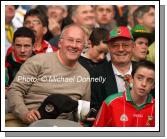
(74, 43)
(120, 48)
(22, 49)
(144, 82)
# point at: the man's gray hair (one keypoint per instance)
(69, 26)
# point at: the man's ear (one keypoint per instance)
(74, 19)
(64, 14)
(140, 21)
(89, 43)
(59, 43)
(153, 86)
(45, 30)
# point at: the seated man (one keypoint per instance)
(22, 49)
(94, 61)
(131, 108)
(47, 74)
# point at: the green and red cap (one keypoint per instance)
(121, 31)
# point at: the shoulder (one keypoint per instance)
(82, 70)
(43, 56)
(113, 97)
(41, 59)
(134, 64)
(83, 61)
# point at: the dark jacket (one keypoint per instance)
(108, 88)
(95, 70)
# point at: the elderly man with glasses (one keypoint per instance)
(47, 74)
(118, 70)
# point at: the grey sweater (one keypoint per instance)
(42, 75)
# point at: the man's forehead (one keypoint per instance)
(84, 7)
(142, 70)
(32, 17)
(120, 40)
(105, 6)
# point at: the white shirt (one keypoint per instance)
(120, 82)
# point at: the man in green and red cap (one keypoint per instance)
(142, 40)
(120, 43)
(120, 48)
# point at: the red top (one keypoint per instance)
(46, 47)
(118, 110)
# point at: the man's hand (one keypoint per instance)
(54, 27)
(32, 116)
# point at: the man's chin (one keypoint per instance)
(23, 59)
(123, 62)
(72, 57)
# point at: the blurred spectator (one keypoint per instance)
(105, 16)
(23, 42)
(19, 16)
(142, 40)
(9, 27)
(67, 21)
(145, 16)
(131, 9)
(84, 15)
(56, 15)
(151, 53)
(38, 22)
(121, 15)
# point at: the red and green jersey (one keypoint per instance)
(118, 110)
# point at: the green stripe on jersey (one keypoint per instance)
(110, 98)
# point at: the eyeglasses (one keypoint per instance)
(117, 45)
(70, 40)
(34, 22)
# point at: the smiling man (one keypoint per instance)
(134, 108)
(83, 15)
(120, 44)
(120, 48)
(26, 97)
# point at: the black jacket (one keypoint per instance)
(108, 88)
(95, 70)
